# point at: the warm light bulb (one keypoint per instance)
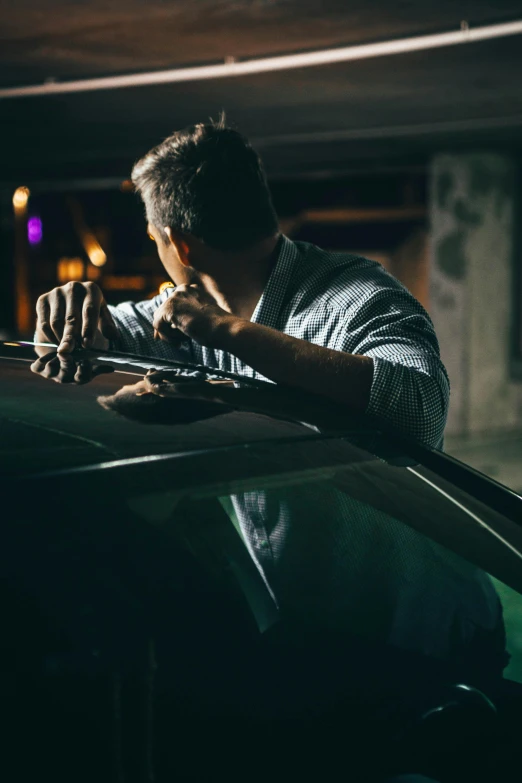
(20, 198)
(97, 256)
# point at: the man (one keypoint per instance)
(248, 300)
(251, 301)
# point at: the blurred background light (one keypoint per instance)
(124, 282)
(94, 250)
(69, 269)
(93, 272)
(34, 230)
(20, 198)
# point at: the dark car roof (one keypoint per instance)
(56, 438)
(48, 426)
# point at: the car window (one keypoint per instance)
(512, 609)
(387, 552)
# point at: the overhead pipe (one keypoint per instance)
(232, 67)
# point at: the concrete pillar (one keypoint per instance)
(472, 211)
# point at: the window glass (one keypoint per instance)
(388, 553)
(512, 609)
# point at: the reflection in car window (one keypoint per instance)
(339, 563)
(512, 609)
(344, 550)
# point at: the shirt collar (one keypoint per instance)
(269, 306)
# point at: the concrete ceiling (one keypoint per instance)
(383, 111)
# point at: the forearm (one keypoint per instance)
(411, 399)
(343, 377)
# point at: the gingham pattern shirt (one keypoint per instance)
(323, 555)
(333, 561)
(338, 301)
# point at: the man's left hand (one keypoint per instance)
(193, 312)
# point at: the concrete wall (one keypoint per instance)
(472, 211)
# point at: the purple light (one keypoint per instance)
(34, 230)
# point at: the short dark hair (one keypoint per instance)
(207, 181)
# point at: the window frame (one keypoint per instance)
(515, 363)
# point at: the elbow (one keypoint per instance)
(427, 407)
(413, 400)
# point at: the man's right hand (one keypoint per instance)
(75, 315)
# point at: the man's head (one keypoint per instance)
(205, 183)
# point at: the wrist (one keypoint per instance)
(226, 329)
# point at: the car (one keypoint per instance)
(145, 631)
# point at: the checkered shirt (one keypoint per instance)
(338, 301)
(325, 556)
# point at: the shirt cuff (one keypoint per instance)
(386, 388)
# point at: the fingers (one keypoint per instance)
(67, 369)
(172, 336)
(164, 325)
(57, 314)
(44, 350)
(60, 369)
(40, 364)
(155, 380)
(43, 321)
(161, 321)
(91, 308)
(107, 325)
(167, 383)
(84, 372)
(163, 331)
(72, 330)
(69, 316)
(164, 320)
(51, 369)
(87, 371)
(190, 312)
(157, 376)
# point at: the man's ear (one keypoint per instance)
(179, 243)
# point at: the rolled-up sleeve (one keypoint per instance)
(410, 387)
(413, 400)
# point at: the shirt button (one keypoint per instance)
(263, 543)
